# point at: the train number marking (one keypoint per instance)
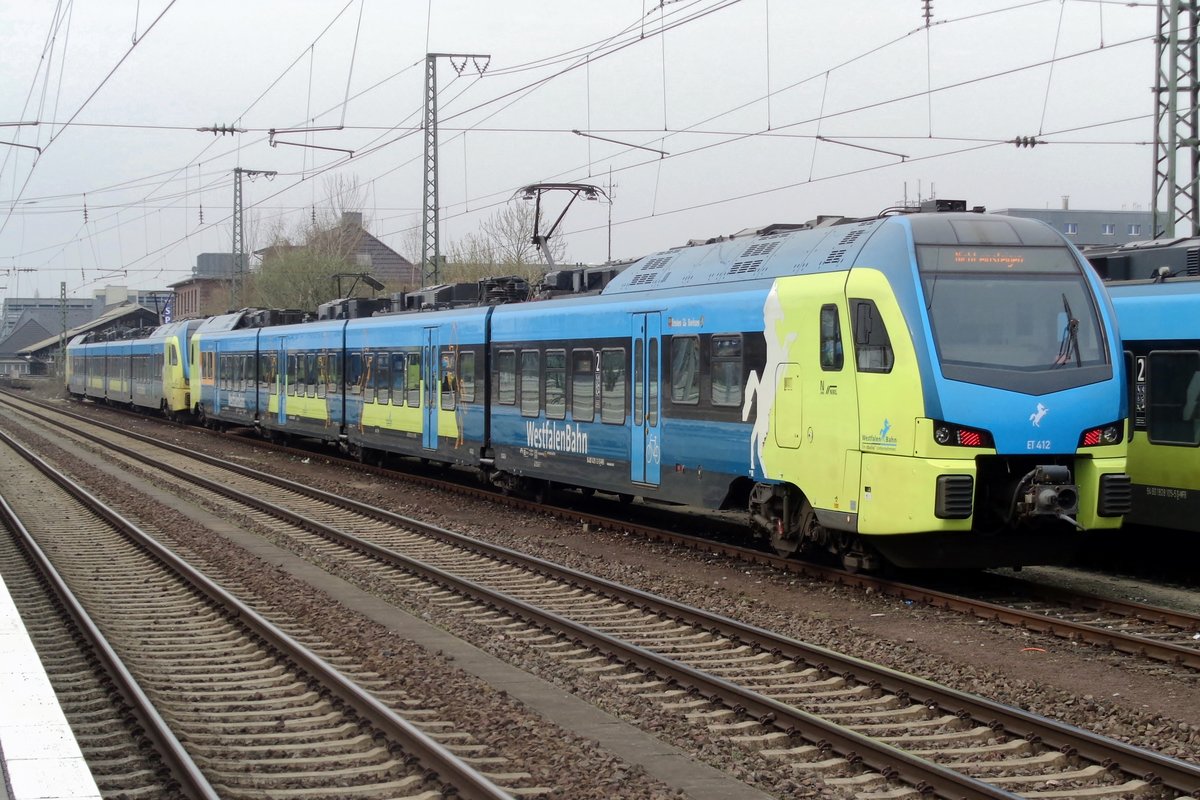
(1037, 444)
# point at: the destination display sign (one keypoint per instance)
(951, 258)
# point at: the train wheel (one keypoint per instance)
(788, 537)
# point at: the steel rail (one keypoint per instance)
(176, 758)
(1147, 764)
(1121, 641)
(441, 763)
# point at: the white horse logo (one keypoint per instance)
(1036, 417)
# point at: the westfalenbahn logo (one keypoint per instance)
(548, 436)
(881, 439)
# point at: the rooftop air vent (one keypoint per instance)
(835, 256)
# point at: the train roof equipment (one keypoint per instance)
(779, 251)
(1153, 259)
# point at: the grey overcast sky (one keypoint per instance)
(768, 111)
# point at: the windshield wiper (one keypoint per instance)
(1070, 338)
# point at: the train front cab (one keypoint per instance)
(943, 435)
(1161, 336)
(77, 366)
(174, 339)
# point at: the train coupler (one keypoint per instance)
(1047, 491)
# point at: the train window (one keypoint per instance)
(174, 355)
(466, 377)
(414, 380)
(639, 384)
(449, 379)
(1173, 397)
(368, 377)
(531, 363)
(506, 377)
(290, 373)
(832, 358)
(354, 371)
(726, 369)
(583, 385)
(335, 372)
(383, 378)
(652, 384)
(556, 384)
(399, 372)
(685, 369)
(872, 347)
(613, 377)
(310, 374)
(322, 373)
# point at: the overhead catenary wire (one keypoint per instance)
(333, 165)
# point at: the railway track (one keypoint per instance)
(1137, 629)
(261, 714)
(126, 746)
(797, 706)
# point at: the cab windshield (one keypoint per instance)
(1020, 318)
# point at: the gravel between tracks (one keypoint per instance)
(1152, 705)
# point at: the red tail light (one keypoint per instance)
(1103, 434)
(947, 434)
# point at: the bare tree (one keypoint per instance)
(299, 266)
(502, 246)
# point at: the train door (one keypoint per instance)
(646, 446)
(429, 381)
(279, 388)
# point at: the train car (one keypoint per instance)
(172, 342)
(302, 374)
(225, 382)
(415, 384)
(83, 361)
(1159, 322)
(944, 389)
(147, 368)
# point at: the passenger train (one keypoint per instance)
(1157, 297)
(941, 389)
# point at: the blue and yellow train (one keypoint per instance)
(1160, 328)
(939, 389)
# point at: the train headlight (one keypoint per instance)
(942, 434)
(1102, 435)
(950, 435)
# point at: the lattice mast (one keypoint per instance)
(239, 245)
(1174, 209)
(429, 227)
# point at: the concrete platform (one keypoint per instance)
(39, 757)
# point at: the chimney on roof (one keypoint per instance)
(352, 219)
(1066, 200)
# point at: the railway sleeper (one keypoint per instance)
(981, 734)
(1050, 759)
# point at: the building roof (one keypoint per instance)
(128, 313)
(372, 255)
(201, 279)
(35, 324)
